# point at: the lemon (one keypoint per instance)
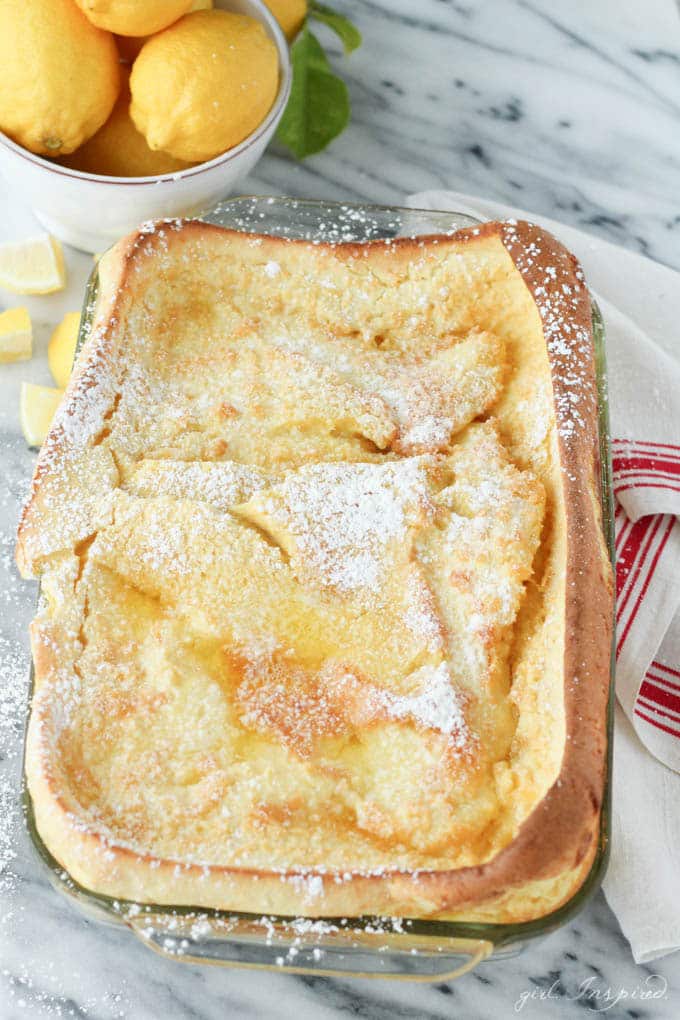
(130, 45)
(37, 405)
(59, 75)
(16, 335)
(134, 17)
(290, 15)
(62, 347)
(35, 266)
(118, 149)
(201, 86)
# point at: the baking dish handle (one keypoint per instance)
(308, 947)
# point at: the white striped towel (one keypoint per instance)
(640, 302)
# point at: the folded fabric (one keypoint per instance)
(640, 303)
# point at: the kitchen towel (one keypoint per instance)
(640, 303)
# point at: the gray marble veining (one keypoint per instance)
(569, 109)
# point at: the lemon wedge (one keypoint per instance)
(36, 411)
(16, 335)
(35, 266)
(62, 346)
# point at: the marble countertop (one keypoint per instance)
(569, 109)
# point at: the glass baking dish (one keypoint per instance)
(401, 949)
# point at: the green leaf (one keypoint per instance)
(318, 109)
(348, 33)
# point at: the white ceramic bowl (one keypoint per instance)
(91, 212)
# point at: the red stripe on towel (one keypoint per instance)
(625, 462)
(659, 725)
(665, 476)
(646, 485)
(666, 699)
(645, 586)
(668, 669)
(662, 679)
(630, 556)
(641, 444)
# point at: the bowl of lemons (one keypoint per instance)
(113, 112)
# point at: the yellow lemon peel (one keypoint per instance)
(204, 84)
(61, 348)
(16, 335)
(60, 75)
(37, 405)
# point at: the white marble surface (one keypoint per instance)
(571, 109)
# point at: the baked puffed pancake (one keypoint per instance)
(326, 602)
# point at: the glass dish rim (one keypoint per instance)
(498, 934)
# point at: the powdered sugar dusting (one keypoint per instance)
(569, 343)
(343, 517)
(420, 614)
(435, 706)
(304, 708)
(219, 484)
(81, 416)
(430, 431)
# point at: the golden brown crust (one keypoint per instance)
(559, 838)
